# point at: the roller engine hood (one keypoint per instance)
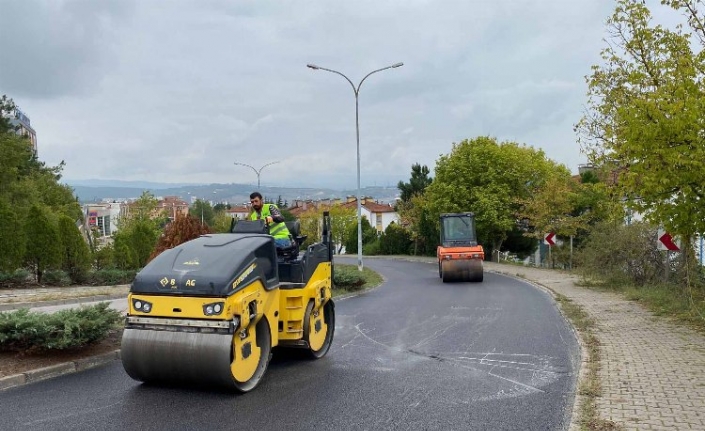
(211, 265)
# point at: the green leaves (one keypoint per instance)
(647, 113)
(417, 183)
(490, 179)
(43, 249)
(30, 331)
(202, 210)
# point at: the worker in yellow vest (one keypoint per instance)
(274, 219)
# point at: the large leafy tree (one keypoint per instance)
(341, 218)
(490, 179)
(550, 208)
(203, 211)
(646, 114)
(417, 216)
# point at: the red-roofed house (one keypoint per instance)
(239, 212)
(379, 215)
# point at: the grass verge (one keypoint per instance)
(590, 388)
(665, 300)
(347, 279)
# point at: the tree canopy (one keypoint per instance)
(491, 179)
(646, 113)
(417, 183)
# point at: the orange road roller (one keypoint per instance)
(459, 255)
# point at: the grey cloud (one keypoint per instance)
(56, 48)
(178, 91)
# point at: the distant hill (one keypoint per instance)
(231, 193)
(126, 184)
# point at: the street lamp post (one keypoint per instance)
(356, 90)
(258, 172)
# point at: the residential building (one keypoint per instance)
(102, 219)
(23, 127)
(379, 215)
(169, 206)
(239, 212)
(172, 206)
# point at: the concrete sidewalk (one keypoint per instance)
(652, 372)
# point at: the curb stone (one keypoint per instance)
(57, 370)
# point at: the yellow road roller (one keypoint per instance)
(459, 255)
(209, 311)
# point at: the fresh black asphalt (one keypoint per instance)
(413, 354)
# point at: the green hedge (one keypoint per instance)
(24, 330)
(56, 277)
(10, 279)
(348, 278)
(110, 277)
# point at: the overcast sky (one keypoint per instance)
(176, 91)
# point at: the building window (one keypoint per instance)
(104, 225)
(379, 222)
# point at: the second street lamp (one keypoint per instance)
(258, 172)
(356, 90)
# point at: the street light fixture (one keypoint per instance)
(356, 90)
(258, 172)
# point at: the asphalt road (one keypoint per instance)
(414, 354)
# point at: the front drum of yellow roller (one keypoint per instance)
(233, 361)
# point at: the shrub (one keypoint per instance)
(372, 248)
(10, 279)
(619, 254)
(395, 240)
(369, 234)
(110, 277)
(24, 330)
(56, 277)
(348, 278)
(103, 258)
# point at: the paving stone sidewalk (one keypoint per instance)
(652, 371)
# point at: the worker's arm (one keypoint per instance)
(276, 215)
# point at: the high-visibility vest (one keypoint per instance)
(277, 230)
